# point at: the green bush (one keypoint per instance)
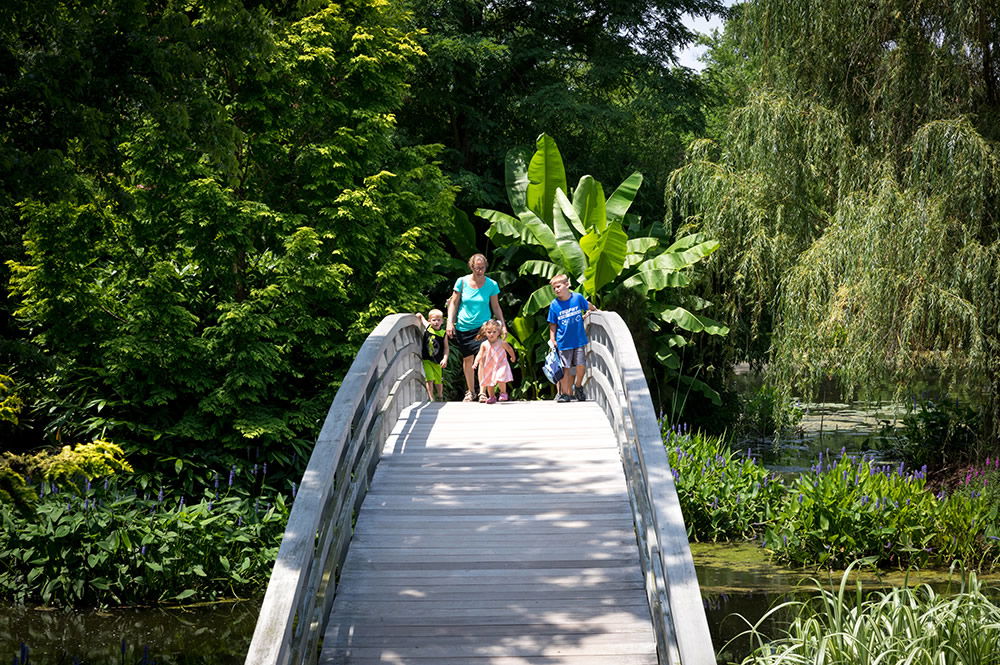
(114, 544)
(853, 508)
(765, 412)
(724, 495)
(937, 433)
(837, 512)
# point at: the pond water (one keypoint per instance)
(739, 585)
(857, 427)
(210, 634)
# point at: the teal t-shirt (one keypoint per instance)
(474, 309)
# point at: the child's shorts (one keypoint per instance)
(573, 357)
(432, 371)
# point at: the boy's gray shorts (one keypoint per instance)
(573, 357)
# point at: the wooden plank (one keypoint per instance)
(480, 543)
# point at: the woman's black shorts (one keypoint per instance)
(467, 342)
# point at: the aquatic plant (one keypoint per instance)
(917, 626)
(851, 508)
(724, 494)
(115, 543)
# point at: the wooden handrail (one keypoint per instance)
(385, 377)
(617, 383)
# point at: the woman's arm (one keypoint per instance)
(453, 301)
(497, 310)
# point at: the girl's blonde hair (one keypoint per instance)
(492, 323)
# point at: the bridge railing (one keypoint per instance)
(618, 384)
(385, 377)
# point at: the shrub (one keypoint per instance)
(852, 508)
(113, 544)
(724, 495)
(936, 433)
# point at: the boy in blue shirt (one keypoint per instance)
(567, 334)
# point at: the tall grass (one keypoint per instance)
(908, 625)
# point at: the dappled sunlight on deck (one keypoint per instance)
(500, 533)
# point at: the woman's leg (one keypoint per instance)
(470, 381)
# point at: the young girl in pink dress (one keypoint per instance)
(494, 370)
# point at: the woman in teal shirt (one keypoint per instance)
(474, 302)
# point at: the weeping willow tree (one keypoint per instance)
(855, 193)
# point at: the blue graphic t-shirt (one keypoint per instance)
(474, 309)
(568, 317)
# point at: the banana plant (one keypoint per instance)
(584, 235)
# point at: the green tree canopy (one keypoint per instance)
(854, 191)
(595, 74)
(238, 220)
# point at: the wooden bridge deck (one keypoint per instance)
(494, 535)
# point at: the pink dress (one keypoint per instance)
(493, 365)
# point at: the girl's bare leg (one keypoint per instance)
(489, 391)
(502, 386)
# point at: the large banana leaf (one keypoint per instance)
(540, 298)
(679, 260)
(637, 248)
(545, 269)
(642, 245)
(693, 322)
(503, 225)
(656, 280)
(605, 256)
(464, 236)
(541, 234)
(523, 328)
(702, 387)
(574, 261)
(546, 174)
(620, 201)
(516, 175)
(687, 241)
(589, 204)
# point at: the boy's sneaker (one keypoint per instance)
(578, 393)
(565, 398)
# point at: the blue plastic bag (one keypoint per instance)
(552, 367)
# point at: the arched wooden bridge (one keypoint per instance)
(457, 533)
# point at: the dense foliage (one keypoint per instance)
(840, 511)
(114, 541)
(852, 181)
(215, 213)
(596, 75)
